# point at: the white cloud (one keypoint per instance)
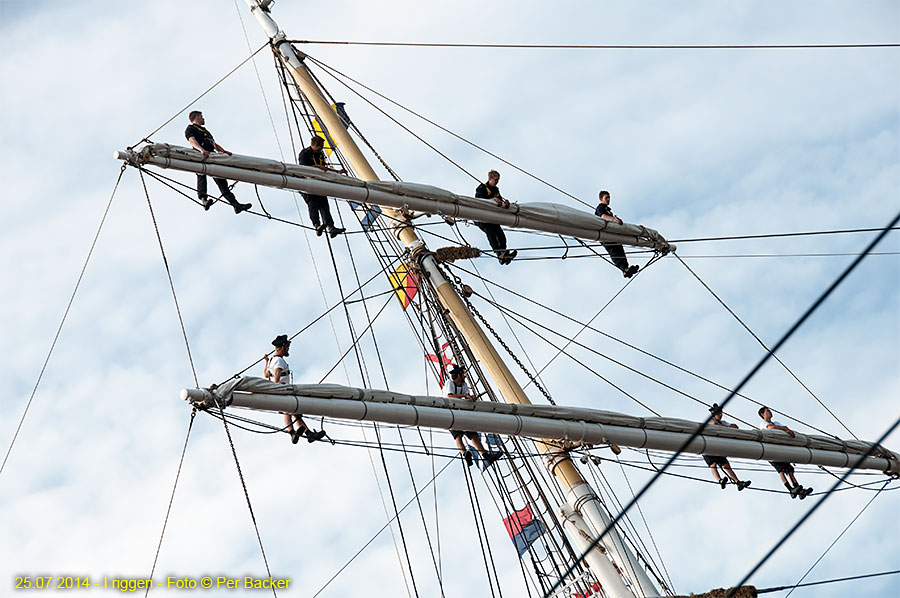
(691, 143)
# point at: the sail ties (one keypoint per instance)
(427, 199)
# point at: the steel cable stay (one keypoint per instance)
(65, 315)
(812, 510)
(334, 73)
(237, 465)
(435, 560)
(169, 275)
(788, 234)
(366, 380)
(763, 345)
(818, 302)
(598, 46)
(165, 525)
(844, 531)
(518, 318)
(259, 79)
(628, 530)
(482, 533)
(647, 527)
(193, 370)
(194, 101)
(636, 348)
(396, 517)
(384, 527)
(603, 486)
(827, 581)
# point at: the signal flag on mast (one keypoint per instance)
(371, 213)
(405, 284)
(523, 529)
(443, 361)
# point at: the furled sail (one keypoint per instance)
(427, 199)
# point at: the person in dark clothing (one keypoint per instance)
(616, 252)
(319, 211)
(202, 141)
(495, 236)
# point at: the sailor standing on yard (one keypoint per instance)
(495, 236)
(715, 462)
(318, 204)
(202, 141)
(785, 470)
(458, 389)
(615, 251)
(277, 370)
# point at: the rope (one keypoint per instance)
(647, 353)
(444, 129)
(584, 327)
(647, 526)
(457, 281)
(390, 486)
(169, 275)
(797, 234)
(470, 488)
(816, 583)
(259, 80)
(192, 102)
(750, 375)
(237, 464)
(394, 120)
(763, 345)
(757, 255)
(62, 321)
(602, 46)
(384, 527)
(515, 317)
(815, 507)
(412, 480)
(171, 497)
(355, 342)
(808, 571)
(511, 330)
(314, 321)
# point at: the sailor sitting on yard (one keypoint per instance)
(277, 370)
(202, 141)
(458, 389)
(615, 251)
(715, 462)
(785, 470)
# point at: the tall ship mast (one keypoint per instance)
(540, 480)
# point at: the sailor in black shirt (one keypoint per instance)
(616, 251)
(319, 210)
(202, 141)
(495, 236)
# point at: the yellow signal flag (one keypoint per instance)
(330, 144)
(405, 284)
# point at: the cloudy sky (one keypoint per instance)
(693, 143)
